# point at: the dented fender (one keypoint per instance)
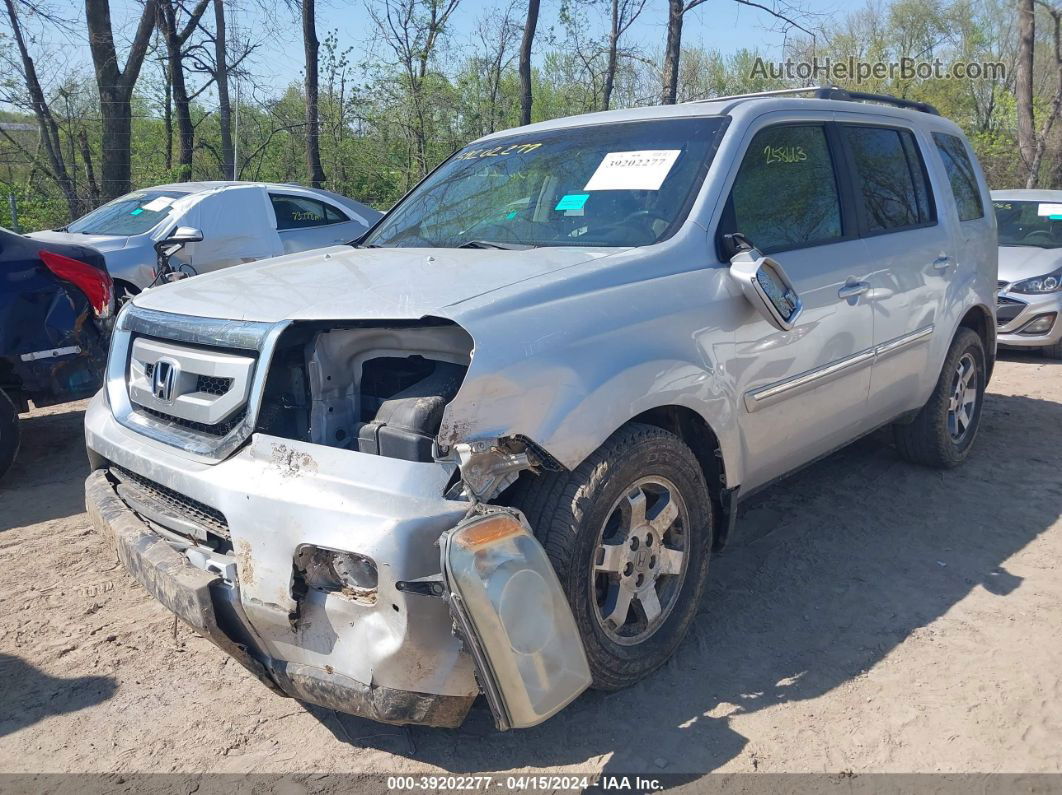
(547, 369)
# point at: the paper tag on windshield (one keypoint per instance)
(1049, 209)
(642, 170)
(161, 203)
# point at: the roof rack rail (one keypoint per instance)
(832, 92)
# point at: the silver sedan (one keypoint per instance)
(238, 221)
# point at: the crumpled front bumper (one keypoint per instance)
(200, 599)
(394, 659)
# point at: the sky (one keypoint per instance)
(722, 25)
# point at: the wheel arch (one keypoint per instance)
(697, 434)
(981, 321)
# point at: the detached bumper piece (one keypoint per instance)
(511, 610)
(203, 600)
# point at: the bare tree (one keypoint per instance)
(530, 26)
(90, 174)
(411, 29)
(676, 12)
(1040, 140)
(49, 128)
(495, 36)
(116, 85)
(221, 78)
(167, 113)
(624, 13)
(176, 36)
(313, 124)
(1023, 84)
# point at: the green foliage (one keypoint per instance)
(35, 209)
(381, 129)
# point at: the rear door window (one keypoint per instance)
(301, 212)
(785, 195)
(961, 175)
(890, 178)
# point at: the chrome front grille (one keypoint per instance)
(192, 383)
(169, 380)
(219, 430)
(212, 385)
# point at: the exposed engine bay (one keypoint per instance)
(380, 391)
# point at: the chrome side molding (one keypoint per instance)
(906, 341)
(770, 394)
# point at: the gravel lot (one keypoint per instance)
(869, 616)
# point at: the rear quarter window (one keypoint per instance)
(301, 212)
(961, 175)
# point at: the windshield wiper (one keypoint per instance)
(61, 229)
(494, 244)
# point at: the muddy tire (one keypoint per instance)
(943, 432)
(1053, 351)
(8, 433)
(629, 532)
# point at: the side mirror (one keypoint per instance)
(179, 237)
(766, 286)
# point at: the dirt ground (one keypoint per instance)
(869, 616)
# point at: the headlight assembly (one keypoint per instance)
(1038, 285)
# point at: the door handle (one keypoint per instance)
(852, 289)
(942, 263)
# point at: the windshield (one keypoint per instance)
(1036, 224)
(131, 214)
(628, 184)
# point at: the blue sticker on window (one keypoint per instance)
(572, 201)
(511, 215)
(137, 211)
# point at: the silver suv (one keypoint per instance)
(491, 447)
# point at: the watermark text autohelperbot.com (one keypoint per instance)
(828, 70)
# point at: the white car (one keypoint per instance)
(1030, 269)
(238, 221)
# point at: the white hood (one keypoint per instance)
(1024, 262)
(342, 283)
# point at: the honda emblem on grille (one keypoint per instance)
(164, 379)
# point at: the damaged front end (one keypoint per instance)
(510, 609)
(383, 391)
(354, 561)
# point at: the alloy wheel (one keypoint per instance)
(640, 561)
(962, 405)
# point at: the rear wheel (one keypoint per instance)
(8, 432)
(628, 532)
(944, 430)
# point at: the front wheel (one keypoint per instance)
(9, 437)
(942, 433)
(629, 533)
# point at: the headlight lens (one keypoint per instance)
(1051, 283)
